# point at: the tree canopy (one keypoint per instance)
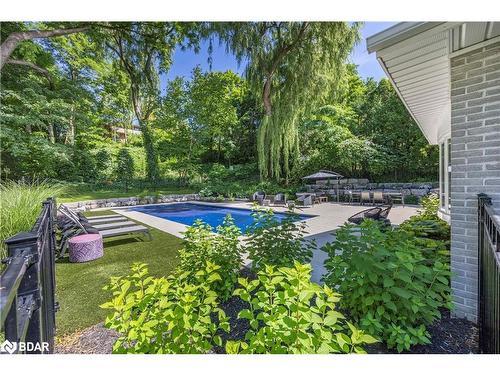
(74, 99)
(295, 66)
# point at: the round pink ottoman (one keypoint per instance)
(85, 247)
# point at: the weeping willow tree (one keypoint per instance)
(294, 66)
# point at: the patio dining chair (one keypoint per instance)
(365, 197)
(352, 196)
(279, 199)
(259, 197)
(378, 197)
(396, 198)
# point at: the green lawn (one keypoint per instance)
(79, 285)
(77, 193)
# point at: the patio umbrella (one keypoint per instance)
(325, 175)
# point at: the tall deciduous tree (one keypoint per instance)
(295, 66)
(213, 104)
(144, 50)
(13, 39)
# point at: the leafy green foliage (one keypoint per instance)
(207, 119)
(430, 205)
(202, 245)
(212, 106)
(102, 160)
(124, 167)
(294, 66)
(142, 51)
(54, 125)
(392, 285)
(365, 131)
(166, 315)
(427, 224)
(290, 314)
(277, 243)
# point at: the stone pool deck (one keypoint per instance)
(328, 217)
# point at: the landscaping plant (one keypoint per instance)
(290, 314)
(20, 205)
(124, 169)
(177, 314)
(427, 223)
(392, 286)
(223, 248)
(277, 243)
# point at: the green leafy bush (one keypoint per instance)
(102, 161)
(290, 314)
(390, 284)
(411, 199)
(124, 170)
(166, 315)
(430, 204)
(221, 248)
(427, 224)
(277, 243)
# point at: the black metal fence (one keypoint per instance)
(489, 276)
(27, 304)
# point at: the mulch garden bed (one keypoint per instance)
(448, 336)
(93, 340)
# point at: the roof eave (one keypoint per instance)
(397, 33)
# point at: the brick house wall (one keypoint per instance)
(475, 163)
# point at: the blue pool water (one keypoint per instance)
(188, 213)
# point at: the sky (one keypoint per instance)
(185, 61)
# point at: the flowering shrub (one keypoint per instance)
(427, 224)
(166, 315)
(221, 248)
(277, 243)
(290, 314)
(391, 284)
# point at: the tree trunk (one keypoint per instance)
(35, 67)
(266, 96)
(125, 133)
(218, 150)
(152, 169)
(50, 130)
(10, 43)
(70, 134)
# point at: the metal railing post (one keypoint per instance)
(24, 244)
(488, 277)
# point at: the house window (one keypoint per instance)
(445, 174)
(448, 166)
(442, 164)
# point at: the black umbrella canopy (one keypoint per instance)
(323, 175)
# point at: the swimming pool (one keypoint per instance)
(188, 213)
